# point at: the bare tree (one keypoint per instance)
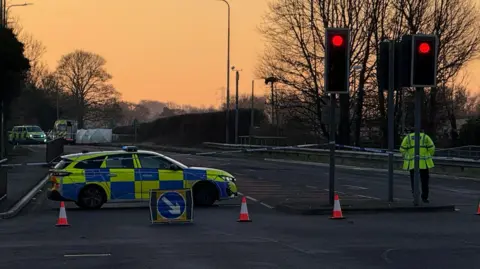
(34, 51)
(83, 75)
(295, 33)
(294, 30)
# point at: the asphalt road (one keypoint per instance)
(120, 238)
(124, 238)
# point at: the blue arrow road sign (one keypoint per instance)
(171, 205)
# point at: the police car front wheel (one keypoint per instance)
(91, 197)
(204, 194)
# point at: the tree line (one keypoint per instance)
(295, 29)
(78, 88)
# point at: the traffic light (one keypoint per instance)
(337, 60)
(403, 58)
(424, 56)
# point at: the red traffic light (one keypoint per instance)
(424, 48)
(337, 40)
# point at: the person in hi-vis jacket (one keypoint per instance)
(427, 150)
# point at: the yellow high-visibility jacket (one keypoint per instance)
(427, 149)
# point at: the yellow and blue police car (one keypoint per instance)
(27, 134)
(91, 179)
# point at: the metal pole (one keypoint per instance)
(332, 148)
(252, 112)
(418, 116)
(237, 78)
(2, 12)
(2, 147)
(391, 119)
(135, 132)
(227, 126)
(273, 105)
(58, 109)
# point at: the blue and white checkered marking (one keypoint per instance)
(171, 205)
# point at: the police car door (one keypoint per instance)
(155, 173)
(122, 176)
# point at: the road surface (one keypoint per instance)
(124, 238)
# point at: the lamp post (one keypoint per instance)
(227, 126)
(272, 81)
(237, 79)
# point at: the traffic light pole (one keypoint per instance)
(333, 128)
(418, 116)
(391, 115)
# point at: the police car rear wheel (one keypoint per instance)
(204, 194)
(91, 197)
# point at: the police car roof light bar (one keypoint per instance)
(129, 148)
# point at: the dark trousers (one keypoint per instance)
(425, 178)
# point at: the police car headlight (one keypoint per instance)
(227, 178)
(30, 136)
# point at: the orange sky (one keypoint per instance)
(165, 50)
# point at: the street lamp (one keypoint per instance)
(272, 80)
(237, 79)
(227, 127)
(252, 103)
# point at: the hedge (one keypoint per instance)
(193, 129)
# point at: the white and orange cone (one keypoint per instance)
(62, 217)
(244, 217)
(337, 209)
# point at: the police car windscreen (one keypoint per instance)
(62, 127)
(34, 129)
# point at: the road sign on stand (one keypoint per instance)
(171, 206)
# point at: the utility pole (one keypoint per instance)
(227, 120)
(252, 104)
(2, 139)
(237, 79)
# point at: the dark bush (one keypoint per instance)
(193, 129)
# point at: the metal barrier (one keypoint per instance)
(365, 154)
(3, 180)
(54, 149)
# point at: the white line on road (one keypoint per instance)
(255, 200)
(87, 255)
(368, 197)
(266, 205)
(355, 187)
(339, 192)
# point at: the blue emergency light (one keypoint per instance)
(129, 148)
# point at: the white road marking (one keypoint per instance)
(266, 205)
(368, 197)
(355, 187)
(255, 200)
(336, 191)
(87, 255)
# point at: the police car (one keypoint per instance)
(27, 134)
(91, 179)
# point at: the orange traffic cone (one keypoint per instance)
(244, 212)
(337, 210)
(478, 209)
(62, 217)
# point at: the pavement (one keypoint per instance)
(121, 236)
(20, 180)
